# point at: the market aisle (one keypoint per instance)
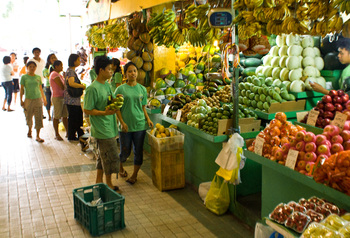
(36, 193)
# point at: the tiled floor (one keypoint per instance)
(36, 183)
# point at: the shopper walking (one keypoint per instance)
(75, 113)
(6, 74)
(117, 77)
(134, 120)
(40, 63)
(31, 87)
(59, 108)
(24, 68)
(46, 73)
(15, 77)
(103, 122)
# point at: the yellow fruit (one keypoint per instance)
(172, 133)
(192, 50)
(181, 64)
(159, 136)
(167, 132)
(161, 129)
(192, 62)
(163, 135)
(152, 131)
(158, 125)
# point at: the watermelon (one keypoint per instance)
(160, 83)
(155, 103)
(252, 62)
(216, 58)
(185, 72)
(200, 67)
(170, 91)
(170, 79)
(199, 78)
(159, 94)
(192, 78)
(179, 83)
(249, 71)
(164, 72)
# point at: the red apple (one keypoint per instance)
(309, 137)
(326, 122)
(309, 166)
(323, 149)
(285, 148)
(346, 125)
(310, 156)
(337, 99)
(338, 107)
(347, 105)
(320, 138)
(345, 98)
(319, 121)
(340, 93)
(327, 143)
(300, 146)
(320, 105)
(301, 155)
(279, 154)
(347, 112)
(321, 158)
(346, 145)
(292, 141)
(345, 134)
(300, 136)
(331, 130)
(301, 164)
(333, 93)
(336, 147)
(329, 107)
(337, 139)
(310, 147)
(326, 99)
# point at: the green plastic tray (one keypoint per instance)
(307, 94)
(270, 116)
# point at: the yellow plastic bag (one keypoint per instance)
(218, 197)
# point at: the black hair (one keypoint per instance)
(95, 60)
(25, 59)
(48, 63)
(36, 48)
(344, 43)
(56, 63)
(6, 59)
(101, 63)
(116, 62)
(128, 65)
(13, 53)
(30, 62)
(72, 58)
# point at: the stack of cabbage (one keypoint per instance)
(294, 61)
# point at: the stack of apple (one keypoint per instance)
(336, 100)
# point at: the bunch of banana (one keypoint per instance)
(317, 10)
(346, 29)
(116, 35)
(155, 20)
(253, 3)
(335, 24)
(248, 17)
(190, 14)
(195, 38)
(290, 2)
(320, 28)
(178, 37)
(301, 12)
(343, 5)
(274, 27)
(239, 5)
(238, 19)
(97, 38)
(246, 31)
(270, 3)
(260, 15)
(293, 25)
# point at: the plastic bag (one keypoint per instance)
(203, 190)
(262, 231)
(218, 197)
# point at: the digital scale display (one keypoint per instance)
(221, 18)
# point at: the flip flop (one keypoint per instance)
(131, 181)
(39, 140)
(10, 110)
(124, 174)
(4, 109)
(58, 138)
(29, 135)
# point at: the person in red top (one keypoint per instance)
(57, 89)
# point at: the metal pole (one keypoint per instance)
(234, 83)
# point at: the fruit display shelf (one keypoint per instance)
(286, 232)
(269, 116)
(282, 184)
(307, 94)
(153, 111)
(314, 129)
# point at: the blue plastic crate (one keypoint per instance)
(104, 218)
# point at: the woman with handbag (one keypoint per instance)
(31, 87)
(72, 94)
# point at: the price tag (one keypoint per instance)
(312, 118)
(292, 158)
(339, 120)
(178, 115)
(166, 109)
(259, 144)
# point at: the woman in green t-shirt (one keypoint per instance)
(117, 77)
(46, 73)
(134, 120)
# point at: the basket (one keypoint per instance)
(175, 142)
(168, 169)
(103, 218)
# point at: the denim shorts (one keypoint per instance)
(108, 159)
(135, 139)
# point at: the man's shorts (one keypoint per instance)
(108, 159)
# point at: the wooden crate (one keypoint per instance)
(168, 169)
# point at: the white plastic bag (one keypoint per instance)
(262, 231)
(203, 189)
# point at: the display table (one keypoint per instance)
(282, 184)
(313, 129)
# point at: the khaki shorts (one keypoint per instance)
(34, 107)
(108, 159)
(59, 108)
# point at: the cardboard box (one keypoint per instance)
(245, 124)
(288, 106)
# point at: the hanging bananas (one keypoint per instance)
(335, 24)
(343, 5)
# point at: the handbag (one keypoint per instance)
(74, 92)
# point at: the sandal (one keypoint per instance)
(29, 135)
(124, 174)
(4, 109)
(58, 138)
(39, 140)
(131, 181)
(116, 188)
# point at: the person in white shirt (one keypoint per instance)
(6, 74)
(15, 77)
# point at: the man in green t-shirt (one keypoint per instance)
(344, 58)
(103, 121)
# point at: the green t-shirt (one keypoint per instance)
(96, 97)
(46, 74)
(31, 86)
(344, 75)
(93, 75)
(134, 98)
(117, 78)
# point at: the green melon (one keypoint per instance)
(137, 61)
(147, 66)
(137, 45)
(146, 56)
(192, 78)
(160, 83)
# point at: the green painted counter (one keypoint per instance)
(282, 184)
(314, 129)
